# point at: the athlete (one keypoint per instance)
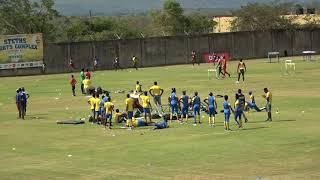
(73, 83)
(87, 85)
(138, 87)
(241, 70)
(82, 77)
(146, 106)
(268, 97)
(196, 108)
(184, 100)
(135, 62)
(108, 108)
(238, 111)
(91, 102)
(212, 107)
(173, 100)
(97, 108)
(156, 92)
(129, 108)
(225, 67)
(242, 100)
(226, 110)
(252, 104)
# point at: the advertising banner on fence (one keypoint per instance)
(214, 57)
(21, 51)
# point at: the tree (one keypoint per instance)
(199, 24)
(171, 18)
(255, 16)
(24, 16)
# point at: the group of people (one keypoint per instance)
(21, 102)
(103, 108)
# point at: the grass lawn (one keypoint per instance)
(287, 148)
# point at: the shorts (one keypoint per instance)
(227, 117)
(146, 110)
(98, 113)
(212, 111)
(157, 100)
(268, 107)
(237, 115)
(73, 88)
(174, 108)
(130, 115)
(242, 71)
(185, 110)
(196, 110)
(108, 116)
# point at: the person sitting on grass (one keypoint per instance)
(120, 117)
(252, 104)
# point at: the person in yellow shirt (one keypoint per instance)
(129, 108)
(268, 97)
(241, 70)
(119, 117)
(86, 84)
(108, 108)
(97, 108)
(156, 92)
(138, 87)
(91, 102)
(146, 105)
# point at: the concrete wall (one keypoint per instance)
(172, 50)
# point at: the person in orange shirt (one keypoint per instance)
(73, 83)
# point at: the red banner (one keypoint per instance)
(215, 57)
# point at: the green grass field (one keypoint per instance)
(287, 148)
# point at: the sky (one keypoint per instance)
(70, 7)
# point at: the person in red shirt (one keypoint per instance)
(73, 83)
(87, 74)
(225, 67)
(194, 57)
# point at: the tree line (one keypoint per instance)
(26, 16)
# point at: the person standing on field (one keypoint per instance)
(268, 97)
(241, 70)
(82, 77)
(73, 83)
(135, 62)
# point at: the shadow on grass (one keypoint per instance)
(255, 128)
(274, 121)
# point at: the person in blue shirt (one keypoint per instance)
(212, 107)
(101, 111)
(161, 125)
(226, 110)
(184, 100)
(196, 107)
(173, 99)
(242, 101)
